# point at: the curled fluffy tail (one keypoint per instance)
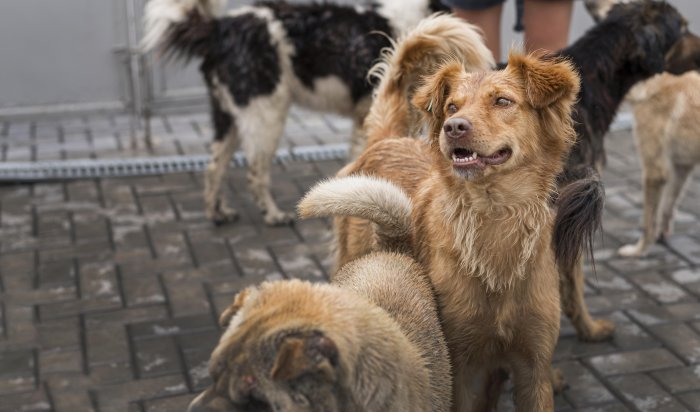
(419, 53)
(579, 214)
(180, 27)
(371, 198)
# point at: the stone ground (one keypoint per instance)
(110, 288)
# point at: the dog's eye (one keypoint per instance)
(503, 102)
(451, 108)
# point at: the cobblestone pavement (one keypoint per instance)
(107, 137)
(110, 289)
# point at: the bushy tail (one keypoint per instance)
(579, 214)
(433, 41)
(374, 199)
(180, 27)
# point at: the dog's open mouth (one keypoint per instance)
(467, 158)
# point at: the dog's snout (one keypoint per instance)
(457, 128)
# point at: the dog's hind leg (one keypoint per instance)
(671, 196)
(262, 124)
(225, 143)
(574, 306)
(654, 183)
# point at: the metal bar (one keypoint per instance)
(90, 168)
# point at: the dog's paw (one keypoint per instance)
(223, 215)
(633, 250)
(600, 330)
(559, 384)
(278, 218)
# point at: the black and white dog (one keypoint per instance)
(258, 60)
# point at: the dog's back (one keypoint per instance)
(670, 105)
(397, 284)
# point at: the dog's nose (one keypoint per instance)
(457, 128)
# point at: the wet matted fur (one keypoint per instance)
(370, 342)
(259, 60)
(478, 195)
(667, 131)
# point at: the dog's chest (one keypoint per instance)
(478, 324)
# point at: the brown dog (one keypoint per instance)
(667, 130)
(370, 343)
(476, 212)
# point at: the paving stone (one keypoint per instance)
(59, 333)
(168, 327)
(71, 400)
(111, 372)
(691, 400)
(175, 403)
(610, 407)
(628, 335)
(681, 339)
(688, 275)
(634, 361)
(660, 288)
(684, 311)
(36, 400)
(157, 357)
(143, 290)
(645, 394)
(651, 315)
(583, 387)
(679, 379)
(116, 397)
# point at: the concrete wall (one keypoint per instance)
(63, 53)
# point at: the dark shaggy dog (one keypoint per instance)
(628, 46)
(258, 60)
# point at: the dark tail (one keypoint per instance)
(579, 214)
(181, 28)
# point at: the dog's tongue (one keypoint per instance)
(496, 158)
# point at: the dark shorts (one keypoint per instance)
(485, 4)
(472, 4)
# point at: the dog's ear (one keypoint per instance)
(298, 355)
(684, 55)
(546, 80)
(234, 307)
(431, 96)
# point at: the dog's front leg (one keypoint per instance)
(469, 381)
(574, 306)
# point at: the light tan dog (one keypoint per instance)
(667, 130)
(474, 204)
(371, 342)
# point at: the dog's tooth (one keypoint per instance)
(475, 155)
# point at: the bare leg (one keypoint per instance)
(547, 24)
(671, 196)
(574, 306)
(215, 204)
(489, 20)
